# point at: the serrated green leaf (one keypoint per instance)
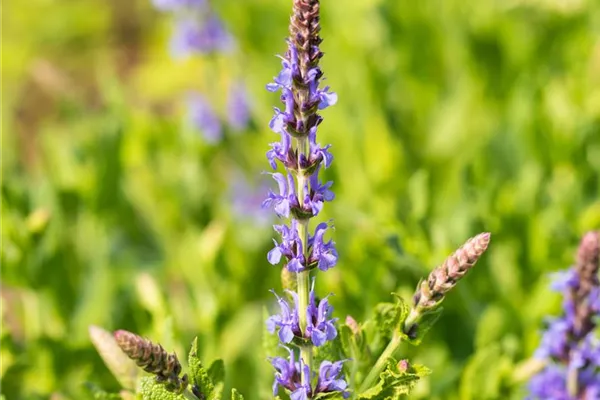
(425, 324)
(198, 374)
(152, 390)
(389, 317)
(394, 383)
(97, 393)
(329, 396)
(235, 395)
(121, 366)
(356, 350)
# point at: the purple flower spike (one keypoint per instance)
(569, 343)
(203, 117)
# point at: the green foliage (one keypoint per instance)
(152, 390)
(394, 382)
(98, 394)
(208, 382)
(235, 395)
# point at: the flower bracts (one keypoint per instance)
(569, 345)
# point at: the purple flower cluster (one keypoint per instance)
(320, 326)
(306, 323)
(198, 30)
(569, 344)
(323, 255)
(290, 373)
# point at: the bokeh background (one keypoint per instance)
(453, 118)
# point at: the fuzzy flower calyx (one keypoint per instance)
(153, 359)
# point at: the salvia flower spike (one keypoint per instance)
(306, 323)
(153, 359)
(431, 292)
(569, 345)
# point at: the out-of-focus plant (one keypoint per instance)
(198, 30)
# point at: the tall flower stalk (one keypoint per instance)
(569, 345)
(300, 197)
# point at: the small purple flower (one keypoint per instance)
(564, 280)
(191, 36)
(549, 384)
(238, 107)
(287, 373)
(554, 341)
(323, 253)
(290, 248)
(317, 195)
(286, 199)
(287, 322)
(203, 117)
(329, 378)
(320, 326)
(282, 151)
(318, 153)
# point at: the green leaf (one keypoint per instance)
(198, 374)
(355, 348)
(97, 393)
(235, 395)
(390, 317)
(209, 382)
(424, 325)
(152, 390)
(121, 366)
(216, 373)
(395, 381)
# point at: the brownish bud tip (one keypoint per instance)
(442, 279)
(153, 358)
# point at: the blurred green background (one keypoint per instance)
(453, 118)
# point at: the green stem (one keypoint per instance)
(304, 276)
(381, 363)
